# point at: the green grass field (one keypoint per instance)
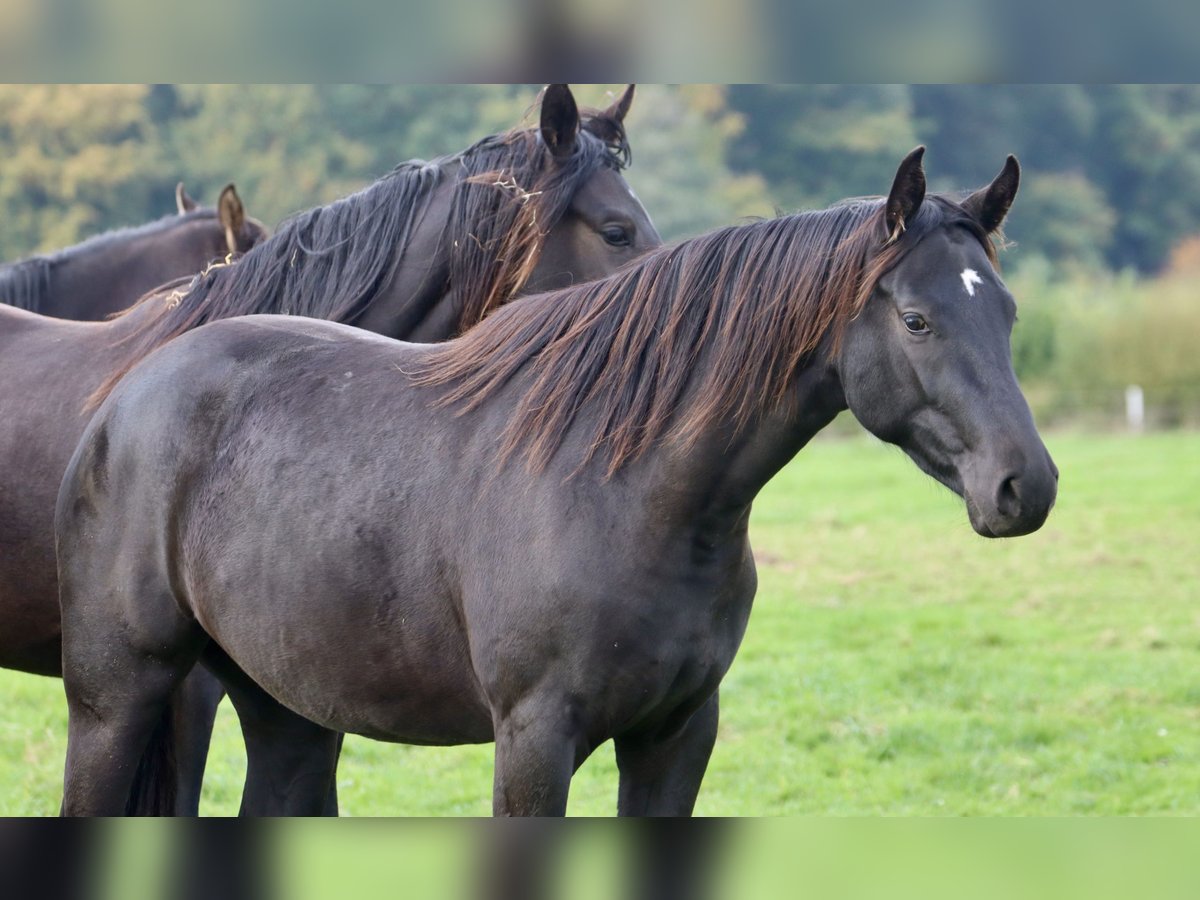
(895, 663)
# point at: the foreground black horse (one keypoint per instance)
(535, 534)
(423, 253)
(103, 275)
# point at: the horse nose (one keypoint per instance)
(1024, 498)
(1008, 497)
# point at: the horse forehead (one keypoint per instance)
(948, 265)
(605, 187)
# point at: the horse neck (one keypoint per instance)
(415, 304)
(79, 280)
(723, 470)
(111, 276)
(25, 284)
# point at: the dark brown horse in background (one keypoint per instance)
(103, 275)
(536, 534)
(423, 253)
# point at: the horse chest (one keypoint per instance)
(660, 650)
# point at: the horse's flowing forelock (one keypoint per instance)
(332, 262)
(751, 301)
(512, 195)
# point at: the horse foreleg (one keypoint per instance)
(660, 776)
(536, 755)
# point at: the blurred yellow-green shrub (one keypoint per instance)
(1083, 337)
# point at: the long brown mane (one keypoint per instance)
(712, 328)
(331, 262)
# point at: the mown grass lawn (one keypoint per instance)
(895, 663)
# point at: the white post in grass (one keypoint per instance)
(1135, 408)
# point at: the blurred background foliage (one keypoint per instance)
(1104, 249)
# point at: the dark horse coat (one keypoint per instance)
(535, 534)
(109, 272)
(424, 252)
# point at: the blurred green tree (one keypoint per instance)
(1064, 218)
(1146, 157)
(75, 159)
(814, 144)
(1112, 173)
(681, 139)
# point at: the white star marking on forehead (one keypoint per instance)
(970, 278)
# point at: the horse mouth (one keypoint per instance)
(976, 517)
(1000, 526)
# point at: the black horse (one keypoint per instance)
(421, 254)
(102, 276)
(535, 534)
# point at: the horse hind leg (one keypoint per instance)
(291, 762)
(120, 678)
(195, 714)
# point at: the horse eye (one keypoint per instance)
(915, 323)
(617, 236)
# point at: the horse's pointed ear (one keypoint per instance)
(560, 120)
(232, 215)
(620, 107)
(908, 192)
(989, 205)
(183, 202)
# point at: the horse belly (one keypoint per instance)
(40, 424)
(410, 701)
(380, 668)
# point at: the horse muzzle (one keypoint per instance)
(1011, 500)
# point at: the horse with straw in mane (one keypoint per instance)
(424, 253)
(536, 534)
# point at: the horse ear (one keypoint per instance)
(908, 191)
(560, 120)
(620, 108)
(990, 205)
(183, 202)
(232, 215)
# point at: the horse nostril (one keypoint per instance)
(1008, 498)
